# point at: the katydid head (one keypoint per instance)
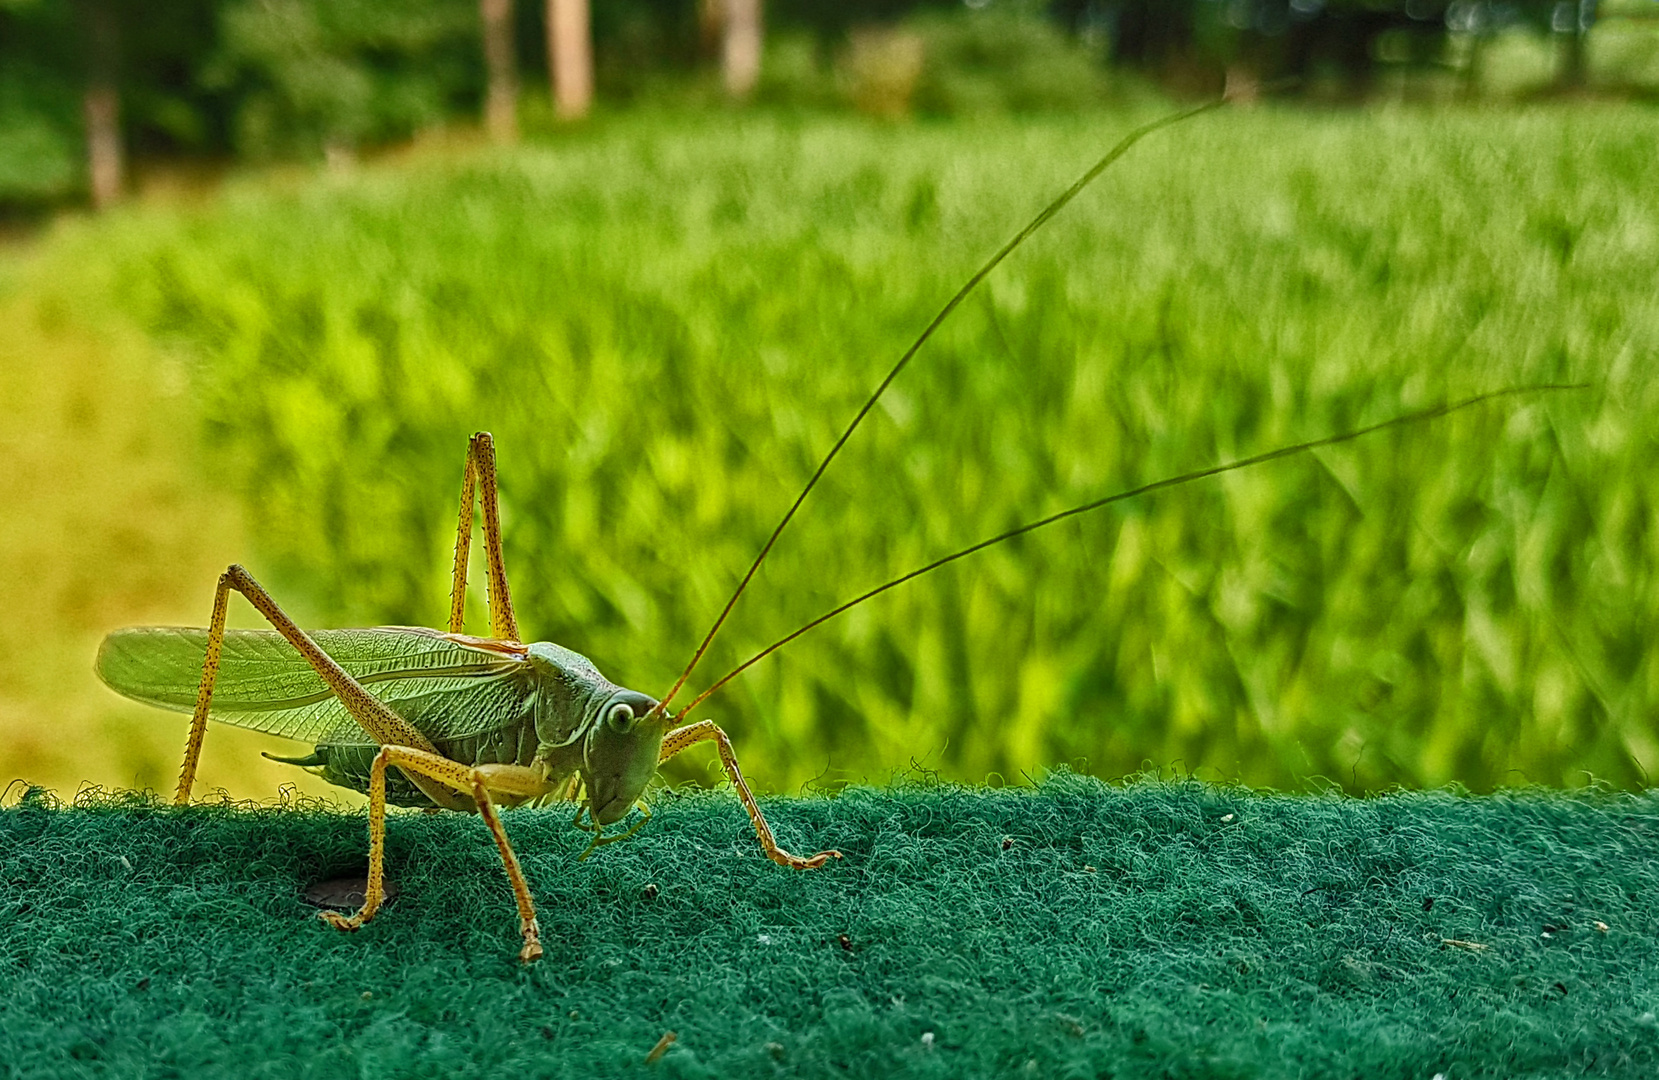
(619, 753)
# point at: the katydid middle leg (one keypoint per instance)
(478, 782)
(402, 744)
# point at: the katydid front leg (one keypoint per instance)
(703, 730)
(476, 781)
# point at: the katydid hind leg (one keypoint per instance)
(377, 718)
(478, 486)
(477, 782)
(204, 691)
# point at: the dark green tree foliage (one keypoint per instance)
(309, 75)
(1004, 58)
(289, 78)
(831, 20)
(39, 102)
(634, 39)
(210, 77)
(1193, 41)
(166, 108)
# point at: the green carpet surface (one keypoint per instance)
(1077, 929)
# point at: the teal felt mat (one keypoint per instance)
(1081, 929)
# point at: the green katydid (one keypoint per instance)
(442, 719)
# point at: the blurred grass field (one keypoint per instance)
(666, 320)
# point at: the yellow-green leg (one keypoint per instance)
(478, 485)
(387, 727)
(477, 782)
(690, 735)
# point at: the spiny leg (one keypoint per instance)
(387, 727)
(479, 480)
(204, 694)
(463, 547)
(690, 735)
(475, 781)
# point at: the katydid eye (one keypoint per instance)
(621, 717)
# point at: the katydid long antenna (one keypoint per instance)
(1419, 416)
(951, 305)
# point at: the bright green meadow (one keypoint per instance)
(666, 321)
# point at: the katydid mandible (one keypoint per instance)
(430, 718)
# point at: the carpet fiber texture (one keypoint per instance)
(1077, 929)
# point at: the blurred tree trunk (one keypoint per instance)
(570, 57)
(1474, 71)
(101, 104)
(1569, 73)
(1571, 23)
(740, 46)
(501, 96)
(710, 18)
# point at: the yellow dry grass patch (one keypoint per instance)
(108, 521)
